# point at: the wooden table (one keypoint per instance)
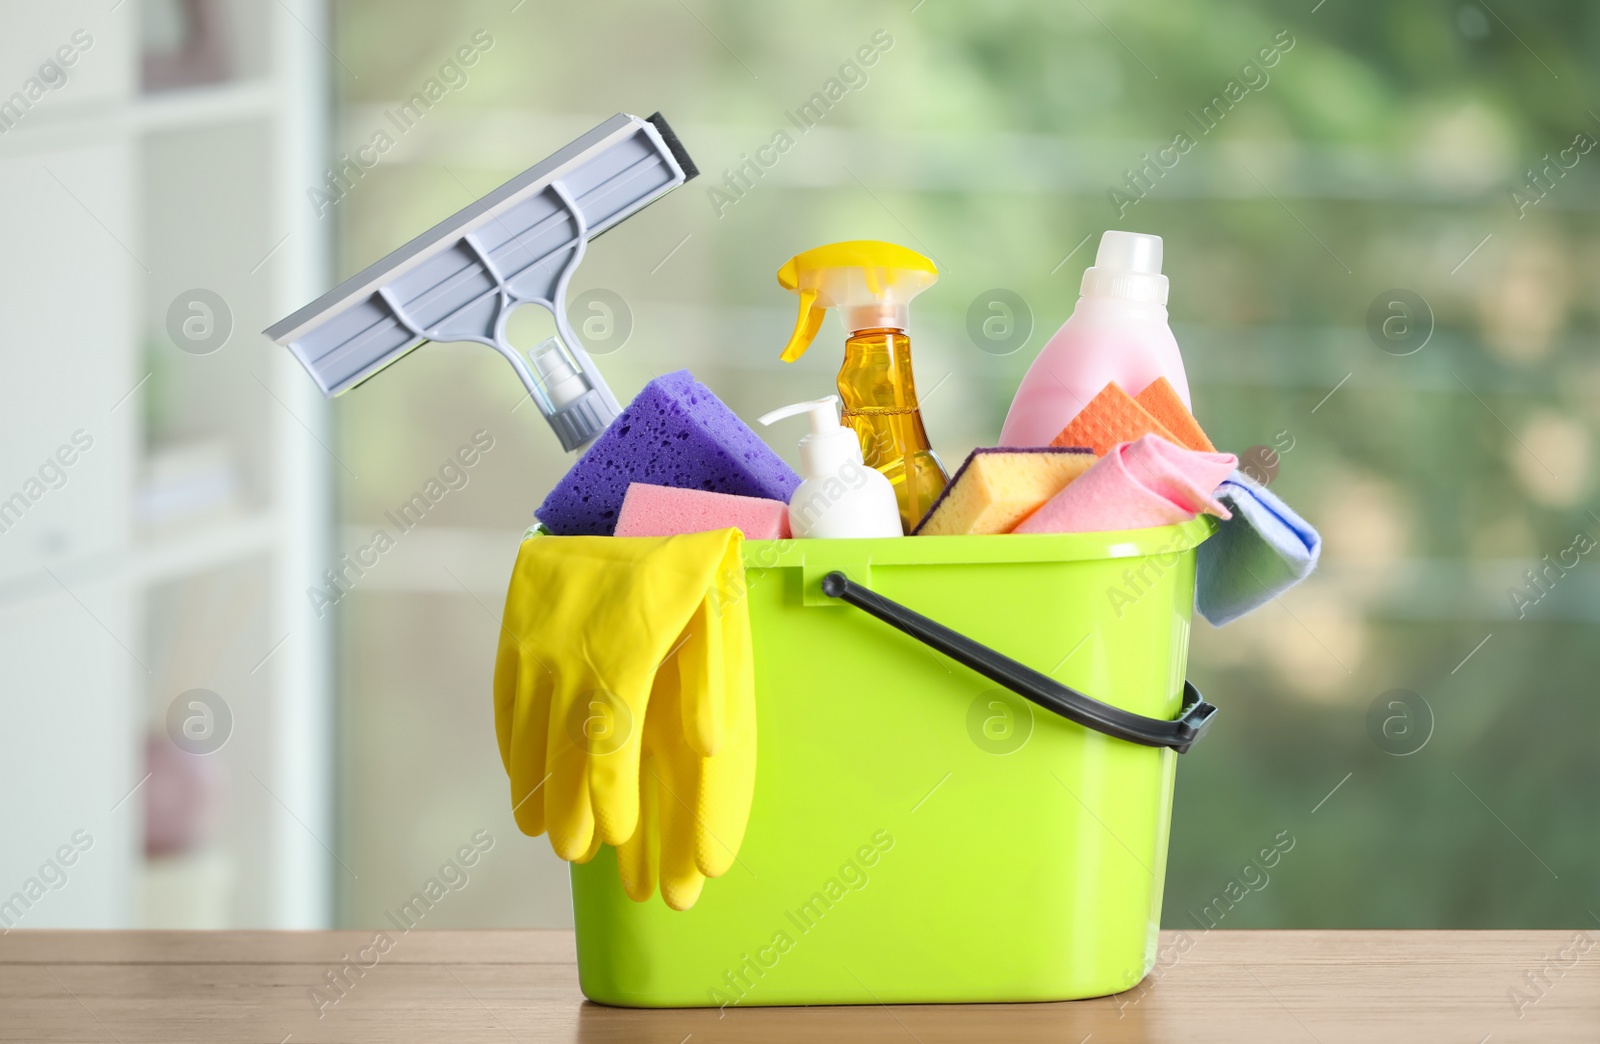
(522, 986)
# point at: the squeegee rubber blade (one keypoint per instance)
(679, 153)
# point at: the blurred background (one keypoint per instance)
(1385, 263)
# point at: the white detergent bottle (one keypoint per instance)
(839, 495)
(1118, 332)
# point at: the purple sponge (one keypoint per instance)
(675, 433)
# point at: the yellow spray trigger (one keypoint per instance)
(805, 328)
(872, 281)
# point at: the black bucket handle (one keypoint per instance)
(1048, 693)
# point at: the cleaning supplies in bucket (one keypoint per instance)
(624, 699)
(1117, 332)
(674, 433)
(872, 283)
(840, 496)
(630, 671)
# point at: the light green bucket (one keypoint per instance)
(919, 834)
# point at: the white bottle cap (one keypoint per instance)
(1127, 267)
(830, 446)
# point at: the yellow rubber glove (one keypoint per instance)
(590, 626)
(693, 808)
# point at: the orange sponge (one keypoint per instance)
(1161, 401)
(1110, 418)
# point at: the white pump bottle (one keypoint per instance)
(839, 495)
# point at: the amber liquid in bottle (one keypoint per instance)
(880, 403)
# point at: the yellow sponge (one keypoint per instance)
(995, 489)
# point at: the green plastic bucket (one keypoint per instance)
(919, 834)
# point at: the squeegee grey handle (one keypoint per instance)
(518, 244)
(1069, 703)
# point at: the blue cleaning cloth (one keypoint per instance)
(1253, 557)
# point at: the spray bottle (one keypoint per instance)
(872, 284)
(839, 495)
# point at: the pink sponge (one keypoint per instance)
(654, 511)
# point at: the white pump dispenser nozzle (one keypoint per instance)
(830, 446)
(839, 495)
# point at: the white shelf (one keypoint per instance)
(111, 192)
(184, 554)
(160, 112)
(161, 560)
(200, 106)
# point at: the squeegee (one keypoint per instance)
(520, 244)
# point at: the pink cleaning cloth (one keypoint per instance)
(1147, 482)
(654, 511)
